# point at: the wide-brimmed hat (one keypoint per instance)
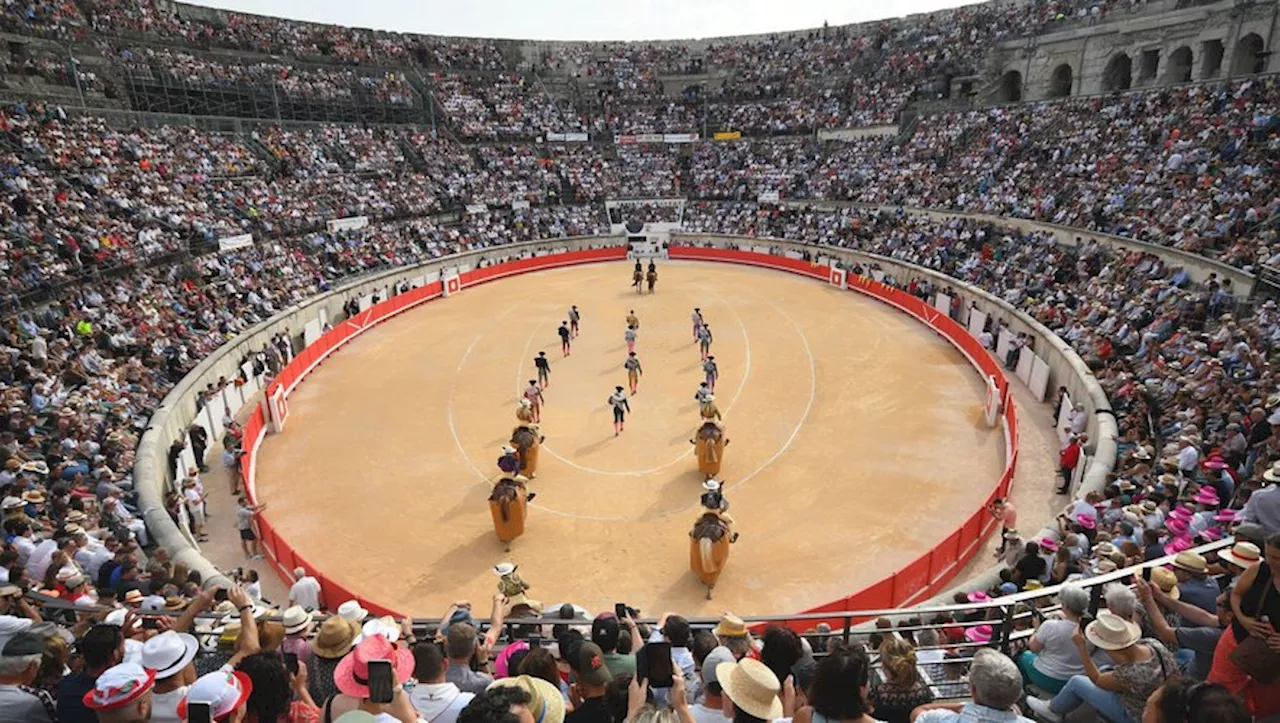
(1226, 516)
(1149, 506)
(296, 620)
(1112, 632)
(978, 596)
(352, 674)
(35, 497)
(352, 611)
(526, 403)
(1177, 526)
(1215, 463)
(1087, 522)
(711, 485)
(119, 686)
(1273, 474)
(1241, 554)
(545, 702)
(503, 568)
(175, 603)
(224, 691)
(335, 638)
(1048, 544)
(384, 626)
(752, 687)
(11, 503)
(730, 626)
(1141, 453)
(1163, 578)
(1191, 562)
(76, 516)
(132, 597)
(979, 633)
(1125, 485)
(508, 449)
(1182, 511)
(1104, 566)
(1104, 549)
(1206, 496)
(1178, 544)
(169, 652)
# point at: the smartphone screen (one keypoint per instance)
(198, 713)
(381, 681)
(1146, 574)
(659, 668)
(291, 663)
(150, 624)
(220, 595)
(620, 610)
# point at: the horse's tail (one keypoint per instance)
(706, 552)
(712, 457)
(505, 504)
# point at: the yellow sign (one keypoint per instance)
(726, 135)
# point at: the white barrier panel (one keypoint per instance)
(214, 410)
(792, 254)
(761, 249)
(366, 301)
(187, 459)
(418, 282)
(942, 303)
(1002, 345)
(977, 322)
(251, 386)
(1025, 362)
(311, 332)
(1039, 384)
(878, 275)
(1064, 419)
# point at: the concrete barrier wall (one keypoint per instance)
(178, 409)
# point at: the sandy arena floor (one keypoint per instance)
(855, 444)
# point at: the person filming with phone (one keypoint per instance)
(371, 678)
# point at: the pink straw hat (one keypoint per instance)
(1179, 544)
(979, 634)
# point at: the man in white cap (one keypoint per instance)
(1263, 507)
(304, 593)
(297, 625)
(225, 691)
(171, 656)
(122, 694)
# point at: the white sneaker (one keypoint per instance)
(1041, 708)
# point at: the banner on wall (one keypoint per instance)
(768, 197)
(566, 137)
(679, 137)
(726, 135)
(350, 223)
(231, 243)
(519, 205)
(477, 208)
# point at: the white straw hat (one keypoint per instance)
(1112, 632)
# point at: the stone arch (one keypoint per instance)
(1060, 81)
(1248, 58)
(1118, 74)
(1178, 68)
(1010, 87)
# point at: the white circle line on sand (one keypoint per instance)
(808, 407)
(742, 383)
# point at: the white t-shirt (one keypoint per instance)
(703, 714)
(164, 706)
(1059, 659)
(306, 593)
(439, 702)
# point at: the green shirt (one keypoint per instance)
(619, 664)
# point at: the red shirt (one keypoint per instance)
(1070, 456)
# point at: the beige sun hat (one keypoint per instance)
(1112, 632)
(752, 687)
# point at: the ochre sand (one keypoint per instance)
(856, 444)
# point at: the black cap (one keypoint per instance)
(604, 631)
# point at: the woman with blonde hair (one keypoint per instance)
(903, 689)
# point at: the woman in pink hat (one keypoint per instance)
(352, 680)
